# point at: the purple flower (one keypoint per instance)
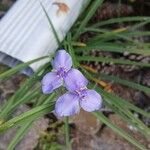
(78, 96)
(62, 63)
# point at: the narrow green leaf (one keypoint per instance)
(71, 51)
(126, 115)
(126, 35)
(123, 82)
(27, 125)
(24, 99)
(115, 47)
(21, 92)
(19, 135)
(124, 111)
(118, 105)
(91, 12)
(34, 113)
(19, 67)
(51, 25)
(112, 60)
(118, 130)
(120, 100)
(121, 20)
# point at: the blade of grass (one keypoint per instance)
(10, 105)
(129, 105)
(19, 135)
(123, 82)
(130, 45)
(126, 115)
(19, 67)
(29, 115)
(67, 138)
(51, 24)
(119, 33)
(23, 90)
(91, 12)
(124, 112)
(24, 129)
(126, 35)
(112, 60)
(121, 20)
(121, 100)
(25, 98)
(118, 130)
(121, 108)
(71, 51)
(119, 30)
(114, 47)
(102, 76)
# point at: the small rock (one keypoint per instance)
(86, 122)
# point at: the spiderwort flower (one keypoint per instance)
(61, 64)
(78, 96)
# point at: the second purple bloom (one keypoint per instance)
(78, 96)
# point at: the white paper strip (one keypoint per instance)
(25, 33)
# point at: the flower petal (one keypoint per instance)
(62, 60)
(75, 80)
(50, 82)
(67, 105)
(92, 101)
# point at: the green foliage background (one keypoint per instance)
(105, 40)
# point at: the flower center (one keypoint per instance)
(62, 72)
(81, 92)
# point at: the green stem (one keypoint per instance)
(68, 144)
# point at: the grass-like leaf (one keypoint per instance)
(19, 67)
(29, 115)
(118, 105)
(115, 47)
(21, 92)
(19, 135)
(24, 129)
(121, 20)
(51, 25)
(91, 12)
(123, 82)
(112, 60)
(118, 130)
